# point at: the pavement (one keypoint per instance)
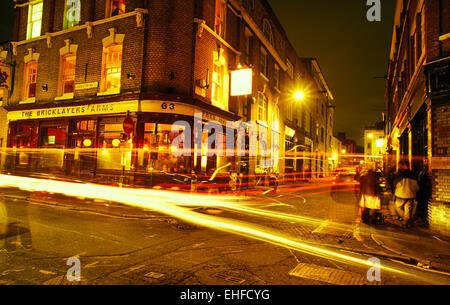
(418, 245)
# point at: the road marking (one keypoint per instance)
(321, 227)
(356, 234)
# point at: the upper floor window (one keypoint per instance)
(72, 14)
(217, 83)
(262, 107)
(115, 7)
(267, 31)
(30, 80)
(34, 19)
(263, 62)
(112, 68)
(277, 77)
(290, 68)
(67, 75)
(219, 23)
(247, 47)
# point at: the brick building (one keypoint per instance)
(417, 90)
(81, 67)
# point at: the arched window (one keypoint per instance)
(267, 31)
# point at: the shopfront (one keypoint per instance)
(89, 142)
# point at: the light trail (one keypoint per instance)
(160, 201)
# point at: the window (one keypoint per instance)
(267, 31)
(217, 84)
(67, 74)
(72, 11)
(277, 77)
(30, 80)
(34, 20)
(116, 7)
(112, 67)
(262, 107)
(263, 62)
(290, 68)
(247, 47)
(219, 23)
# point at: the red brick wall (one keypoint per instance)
(88, 62)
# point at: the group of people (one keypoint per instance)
(407, 190)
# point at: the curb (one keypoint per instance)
(420, 262)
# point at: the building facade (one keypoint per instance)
(417, 107)
(374, 144)
(103, 88)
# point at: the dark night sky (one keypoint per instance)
(351, 51)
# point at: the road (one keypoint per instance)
(39, 236)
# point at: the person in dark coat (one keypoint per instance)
(370, 191)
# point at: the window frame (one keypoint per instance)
(264, 59)
(106, 65)
(109, 8)
(61, 86)
(27, 83)
(30, 23)
(263, 105)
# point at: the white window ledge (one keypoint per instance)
(109, 92)
(67, 96)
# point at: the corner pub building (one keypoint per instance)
(80, 68)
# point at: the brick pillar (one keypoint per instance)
(439, 208)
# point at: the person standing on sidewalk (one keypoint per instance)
(370, 200)
(406, 188)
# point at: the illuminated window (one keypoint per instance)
(72, 11)
(112, 67)
(2, 95)
(116, 7)
(30, 80)
(67, 76)
(263, 62)
(267, 31)
(262, 107)
(34, 20)
(219, 23)
(217, 83)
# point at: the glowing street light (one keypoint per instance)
(299, 95)
(370, 135)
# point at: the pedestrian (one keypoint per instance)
(370, 201)
(406, 188)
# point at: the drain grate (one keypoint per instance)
(229, 278)
(154, 275)
(329, 275)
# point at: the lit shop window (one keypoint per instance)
(267, 31)
(115, 148)
(115, 7)
(217, 84)
(72, 13)
(30, 80)
(219, 23)
(67, 80)
(158, 151)
(34, 19)
(112, 67)
(262, 107)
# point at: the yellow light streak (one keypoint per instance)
(166, 202)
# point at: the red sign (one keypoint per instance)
(128, 125)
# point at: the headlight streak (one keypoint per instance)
(159, 201)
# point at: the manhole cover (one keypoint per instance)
(329, 275)
(229, 277)
(154, 275)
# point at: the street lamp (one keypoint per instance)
(299, 95)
